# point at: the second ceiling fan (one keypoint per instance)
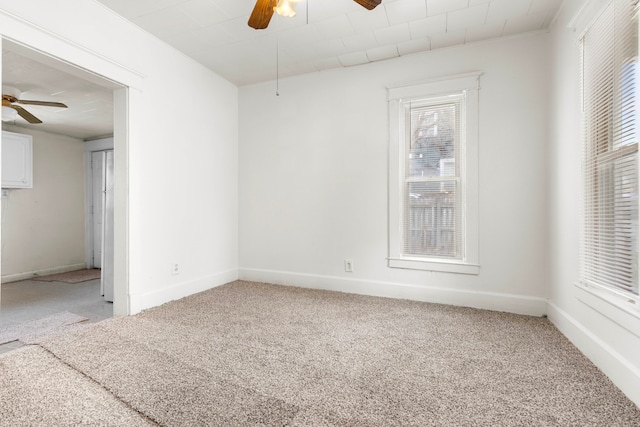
(10, 99)
(263, 11)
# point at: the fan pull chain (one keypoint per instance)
(277, 59)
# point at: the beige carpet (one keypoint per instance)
(36, 389)
(256, 354)
(76, 276)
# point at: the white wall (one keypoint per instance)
(179, 198)
(313, 178)
(610, 337)
(43, 227)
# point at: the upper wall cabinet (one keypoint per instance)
(17, 160)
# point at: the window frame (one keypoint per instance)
(622, 306)
(468, 85)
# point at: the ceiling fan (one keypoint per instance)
(263, 11)
(11, 97)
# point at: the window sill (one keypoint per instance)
(616, 308)
(434, 265)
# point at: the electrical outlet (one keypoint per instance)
(5, 193)
(348, 265)
(175, 269)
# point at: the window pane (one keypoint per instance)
(432, 219)
(614, 246)
(626, 131)
(433, 141)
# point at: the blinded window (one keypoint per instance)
(610, 102)
(433, 174)
(432, 223)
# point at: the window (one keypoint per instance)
(433, 175)
(609, 255)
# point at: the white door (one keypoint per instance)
(107, 229)
(97, 181)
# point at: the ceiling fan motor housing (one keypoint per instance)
(12, 92)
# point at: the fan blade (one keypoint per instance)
(26, 115)
(368, 4)
(262, 13)
(44, 103)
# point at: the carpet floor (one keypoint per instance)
(257, 354)
(38, 390)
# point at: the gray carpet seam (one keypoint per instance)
(176, 363)
(301, 408)
(92, 380)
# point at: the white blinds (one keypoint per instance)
(432, 217)
(610, 102)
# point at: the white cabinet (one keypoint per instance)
(17, 160)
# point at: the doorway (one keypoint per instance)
(119, 96)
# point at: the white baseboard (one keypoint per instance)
(139, 302)
(44, 272)
(624, 374)
(510, 303)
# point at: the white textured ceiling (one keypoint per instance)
(90, 112)
(326, 33)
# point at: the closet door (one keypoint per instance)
(97, 181)
(108, 232)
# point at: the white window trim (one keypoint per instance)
(469, 83)
(620, 308)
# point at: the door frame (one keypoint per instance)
(31, 40)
